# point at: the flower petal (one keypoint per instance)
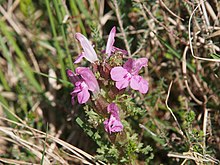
(118, 73)
(128, 65)
(83, 96)
(117, 126)
(110, 42)
(143, 88)
(89, 78)
(76, 89)
(79, 58)
(115, 49)
(113, 125)
(122, 84)
(138, 64)
(114, 110)
(89, 52)
(72, 76)
(134, 66)
(134, 82)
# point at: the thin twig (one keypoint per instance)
(161, 24)
(10, 20)
(121, 27)
(185, 78)
(146, 129)
(190, 156)
(204, 128)
(190, 40)
(205, 13)
(172, 13)
(166, 102)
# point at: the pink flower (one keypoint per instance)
(111, 40)
(89, 53)
(128, 75)
(84, 81)
(113, 124)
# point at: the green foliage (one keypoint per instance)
(27, 7)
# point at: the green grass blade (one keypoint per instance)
(21, 57)
(59, 12)
(5, 52)
(60, 80)
(56, 43)
(76, 13)
(44, 151)
(9, 114)
(3, 80)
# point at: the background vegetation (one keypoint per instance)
(177, 121)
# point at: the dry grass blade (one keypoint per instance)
(16, 162)
(9, 132)
(185, 78)
(39, 135)
(121, 27)
(166, 102)
(198, 158)
(164, 5)
(215, 34)
(190, 39)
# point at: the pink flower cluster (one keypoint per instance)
(85, 82)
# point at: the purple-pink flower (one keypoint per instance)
(84, 81)
(89, 52)
(113, 124)
(111, 40)
(128, 75)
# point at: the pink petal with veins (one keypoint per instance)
(89, 78)
(122, 84)
(113, 125)
(79, 58)
(114, 110)
(115, 49)
(83, 96)
(89, 52)
(143, 88)
(110, 42)
(134, 82)
(128, 65)
(138, 64)
(118, 73)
